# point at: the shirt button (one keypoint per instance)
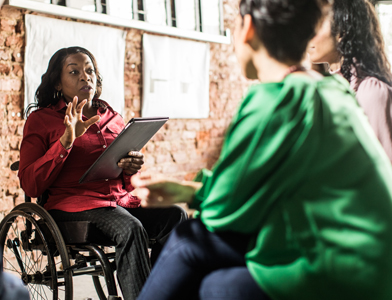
(98, 131)
(61, 155)
(104, 146)
(106, 179)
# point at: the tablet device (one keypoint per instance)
(133, 137)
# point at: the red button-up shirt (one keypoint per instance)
(46, 165)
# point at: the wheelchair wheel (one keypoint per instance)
(34, 251)
(102, 287)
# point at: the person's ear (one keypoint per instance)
(248, 29)
(58, 87)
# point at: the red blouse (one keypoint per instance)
(46, 165)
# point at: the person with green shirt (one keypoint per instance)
(299, 204)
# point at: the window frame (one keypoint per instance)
(58, 10)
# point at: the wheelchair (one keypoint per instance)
(47, 255)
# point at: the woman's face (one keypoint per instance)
(323, 47)
(78, 78)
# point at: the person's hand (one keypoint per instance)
(133, 163)
(163, 193)
(74, 125)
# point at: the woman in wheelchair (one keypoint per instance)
(62, 138)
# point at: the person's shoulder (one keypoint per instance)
(372, 87)
(38, 115)
(372, 93)
(306, 86)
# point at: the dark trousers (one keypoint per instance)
(198, 264)
(130, 229)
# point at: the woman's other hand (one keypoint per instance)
(133, 163)
(163, 193)
(74, 125)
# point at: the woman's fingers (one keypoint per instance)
(91, 121)
(130, 165)
(136, 154)
(132, 161)
(66, 121)
(80, 105)
(69, 108)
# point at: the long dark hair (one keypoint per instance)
(46, 93)
(283, 26)
(361, 43)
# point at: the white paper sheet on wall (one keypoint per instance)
(175, 78)
(46, 35)
(185, 14)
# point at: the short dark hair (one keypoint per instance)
(46, 91)
(285, 27)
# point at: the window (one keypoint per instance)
(384, 11)
(195, 19)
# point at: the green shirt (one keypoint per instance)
(303, 174)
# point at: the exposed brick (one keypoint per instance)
(158, 137)
(136, 104)
(162, 158)
(5, 54)
(7, 203)
(19, 28)
(134, 35)
(149, 160)
(188, 135)
(192, 125)
(8, 25)
(14, 41)
(4, 69)
(180, 157)
(17, 70)
(17, 55)
(11, 12)
(2, 40)
(10, 84)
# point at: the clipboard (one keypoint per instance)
(133, 137)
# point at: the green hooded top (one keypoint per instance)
(303, 174)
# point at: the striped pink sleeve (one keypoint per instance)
(375, 97)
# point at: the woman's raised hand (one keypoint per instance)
(74, 125)
(163, 193)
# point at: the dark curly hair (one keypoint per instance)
(361, 43)
(284, 26)
(46, 93)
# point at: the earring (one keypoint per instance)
(58, 95)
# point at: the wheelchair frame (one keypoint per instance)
(43, 254)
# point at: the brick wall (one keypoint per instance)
(179, 150)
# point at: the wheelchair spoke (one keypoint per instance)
(11, 270)
(46, 297)
(33, 287)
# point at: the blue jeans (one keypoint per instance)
(198, 264)
(12, 288)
